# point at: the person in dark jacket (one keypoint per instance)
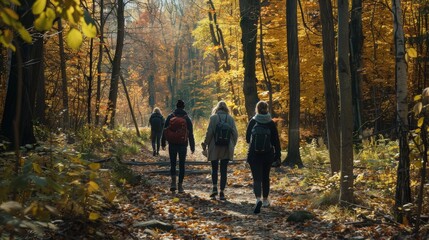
(180, 149)
(260, 163)
(156, 122)
(220, 153)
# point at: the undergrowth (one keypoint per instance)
(54, 181)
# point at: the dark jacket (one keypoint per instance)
(156, 122)
(275, 142)
(181, 112)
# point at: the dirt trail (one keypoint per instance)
(195, 216)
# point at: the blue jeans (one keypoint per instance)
(173, 151)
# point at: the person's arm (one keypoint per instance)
(163, 140)
(249, 129)
(191, 134)
(209, 133)
(234, 131)
(275, 141)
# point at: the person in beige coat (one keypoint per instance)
(220, 152)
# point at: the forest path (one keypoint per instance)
(195, 216)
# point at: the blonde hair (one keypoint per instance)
(261, 107)
(156, 110)
(221, 105)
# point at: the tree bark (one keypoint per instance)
(116, 66)
(329, 80)
(346, 106)
(249, 12)
(356, 40)
(293, 156)
(17, 121)
(99, 62)
(65, 98)
(403, 189)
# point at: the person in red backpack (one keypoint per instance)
(178, 132)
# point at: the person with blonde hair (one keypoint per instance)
(264, 149)
(219, 142)
(156, 122)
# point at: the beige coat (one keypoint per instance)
(215, 152)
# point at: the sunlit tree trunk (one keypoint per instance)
(65, 97)
(249, 12)
(99, 62)
(116, 66)
(346, 106)
(403, 190)
(293, 156)
(151, 80)
(329, 79)
(356, 40)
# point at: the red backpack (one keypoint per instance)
(177, 130)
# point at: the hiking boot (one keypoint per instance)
(173, 183)
(214, 193)
(180, 187)
(222, 196)
(266, 202)
(257, 207)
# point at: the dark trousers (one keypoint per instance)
(261, 177)
(174, 151)
(155, 137)
(223, 172)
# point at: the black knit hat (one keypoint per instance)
(180, 104)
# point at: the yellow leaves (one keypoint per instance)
(411, 52)
(93, 216)
(88, 26)
(6, 37)
(45, 20)
(110, 196)
(420, 122)
(92, 187)
(38, 7)
(176, 200)
(37, 168)
(417, 108)
(74, 39)
(94, 166)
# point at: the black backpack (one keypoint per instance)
(260, 140)
(223, 132)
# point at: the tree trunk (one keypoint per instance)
(329, 79)
(116, 66)
(249, 12)
(65, 112)
(356, 40)
(346, 106)
(293, 156)
(99, 62)
(403, 190)
(26, 67)
(151, 80)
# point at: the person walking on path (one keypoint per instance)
(264, 149)
(178, 132)
(220, 140)
(156, 122)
